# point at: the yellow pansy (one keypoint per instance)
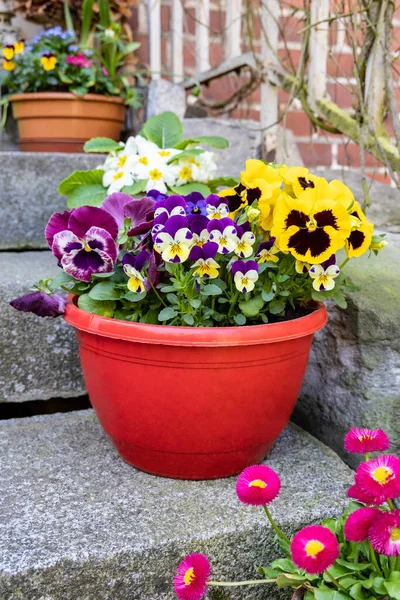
(8, 51)
(297, 180)
(19, 46)
(360, 237)
(48, 61)
(340, 192)
(9, 65)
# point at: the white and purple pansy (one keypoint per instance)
(198, 226)
(83, 241)
(205, 265)
(267, 251)
(175, 240)
(216, 207)
(324, 275)
(245, 275)
(195, 204)
(133, 267)
(169, 207)
(245, 241)
(224, 233)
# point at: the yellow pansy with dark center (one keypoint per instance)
(48, 61)
(360, 237)
(311, 227)
(9, 65)
(8, 51)
(297, 180)
(189, 576)
(382, 475)
(233, 197)
(19, 46)
(313, 548)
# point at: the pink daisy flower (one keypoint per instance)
(364, 497)
(380, 476)
(384, 534)
(359, 523)
(258, 485)
(314, 549)
(190, 581)
(361, 441)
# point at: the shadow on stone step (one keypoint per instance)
(18, 410)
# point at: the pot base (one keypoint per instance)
(190, 466)
(52, 145)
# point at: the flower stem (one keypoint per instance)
(344, 263)
(156, 293)
(367, 456)
(335, 582)
(391, 505)
(374, 560)
(275, 526)
(237, 583)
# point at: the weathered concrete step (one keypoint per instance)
(77, 523)
(29, 181)
(38, 357)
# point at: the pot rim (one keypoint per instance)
(247, 335)
(28, 96)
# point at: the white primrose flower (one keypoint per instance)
(144, 146)
(324, 279)
(204, 167)
(116, 180)
(158, 178)
(183, 171)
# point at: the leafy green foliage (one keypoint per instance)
(188, 188)
(165, 130)
(100, 145)
(83, 188)
(214, 141)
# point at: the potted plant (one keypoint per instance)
(64, 91)
(195, 315)
(354, 557)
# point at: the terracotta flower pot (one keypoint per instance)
(193, 403)
(63, 122)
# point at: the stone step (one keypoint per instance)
(77, 523)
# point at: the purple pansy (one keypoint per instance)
(265, 246)
(85, 242)
(216, 207)
(198, 226)
(245, 275)
(41, 304)
(175, 240)
(266, 251)
(195, 204)
(224, 233)
(169, 207)
(140, 211)
(205, 265)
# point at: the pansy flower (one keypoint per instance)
(261, 182)
(19, 46)
(170, 206)
(8, 51)
(311, 227)
(175, 240)
(133, 267)
(359, 523)
(360, 237)
(380, 476)
(195, 204)
(301, 267)
(245, 275)
(83, 241)
(258, 485)
(224, 233)
(297, 179)
(9, 65)
(233, 197)
(41, 304)
(361, 441)
(198, 225)
(216, 208)
(190, 581)
(245, 241)
(314, 549)
(48, 61)
(384, 534)
(266, 251)
(205, 265)
(324, 275)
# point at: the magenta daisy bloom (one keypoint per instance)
(380, 476)
(361, 441)
(384, 534)
(190, 581)
(314, 549)
(258, 485)
(364, 497)
(359, 523)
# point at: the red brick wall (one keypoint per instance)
(317, 148)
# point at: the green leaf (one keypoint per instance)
(136, 188)
(240, 319)
(188, 188)
(79, 178)
(288, 580)
(104, 290)
(211, 290)
(167, 314)
(105, 14)
(340, 299)
(251, 308)
(329, 595)
(87, 15)
(223, 182)
(87, 195)
(185, 154)
(284, 564)
(102, 145)
(195, 303)
(353, 566)
(189, 319)
(78, 90)
(276, 307)
(378, 586)
(393, 585)
(165, 130)
(62, 279)
(215, 141)
(104, 309)
(134, 296)
(267, 297)
(356, 591)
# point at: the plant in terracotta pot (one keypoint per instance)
(64, 90)
(195, 315)
(353, 557)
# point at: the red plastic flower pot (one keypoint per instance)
(193, 403)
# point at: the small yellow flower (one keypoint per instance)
(48, 61)
(359, 240)
(19, 46)
(8, 51)
(377, 244)
(302, 267)
(9, 65)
